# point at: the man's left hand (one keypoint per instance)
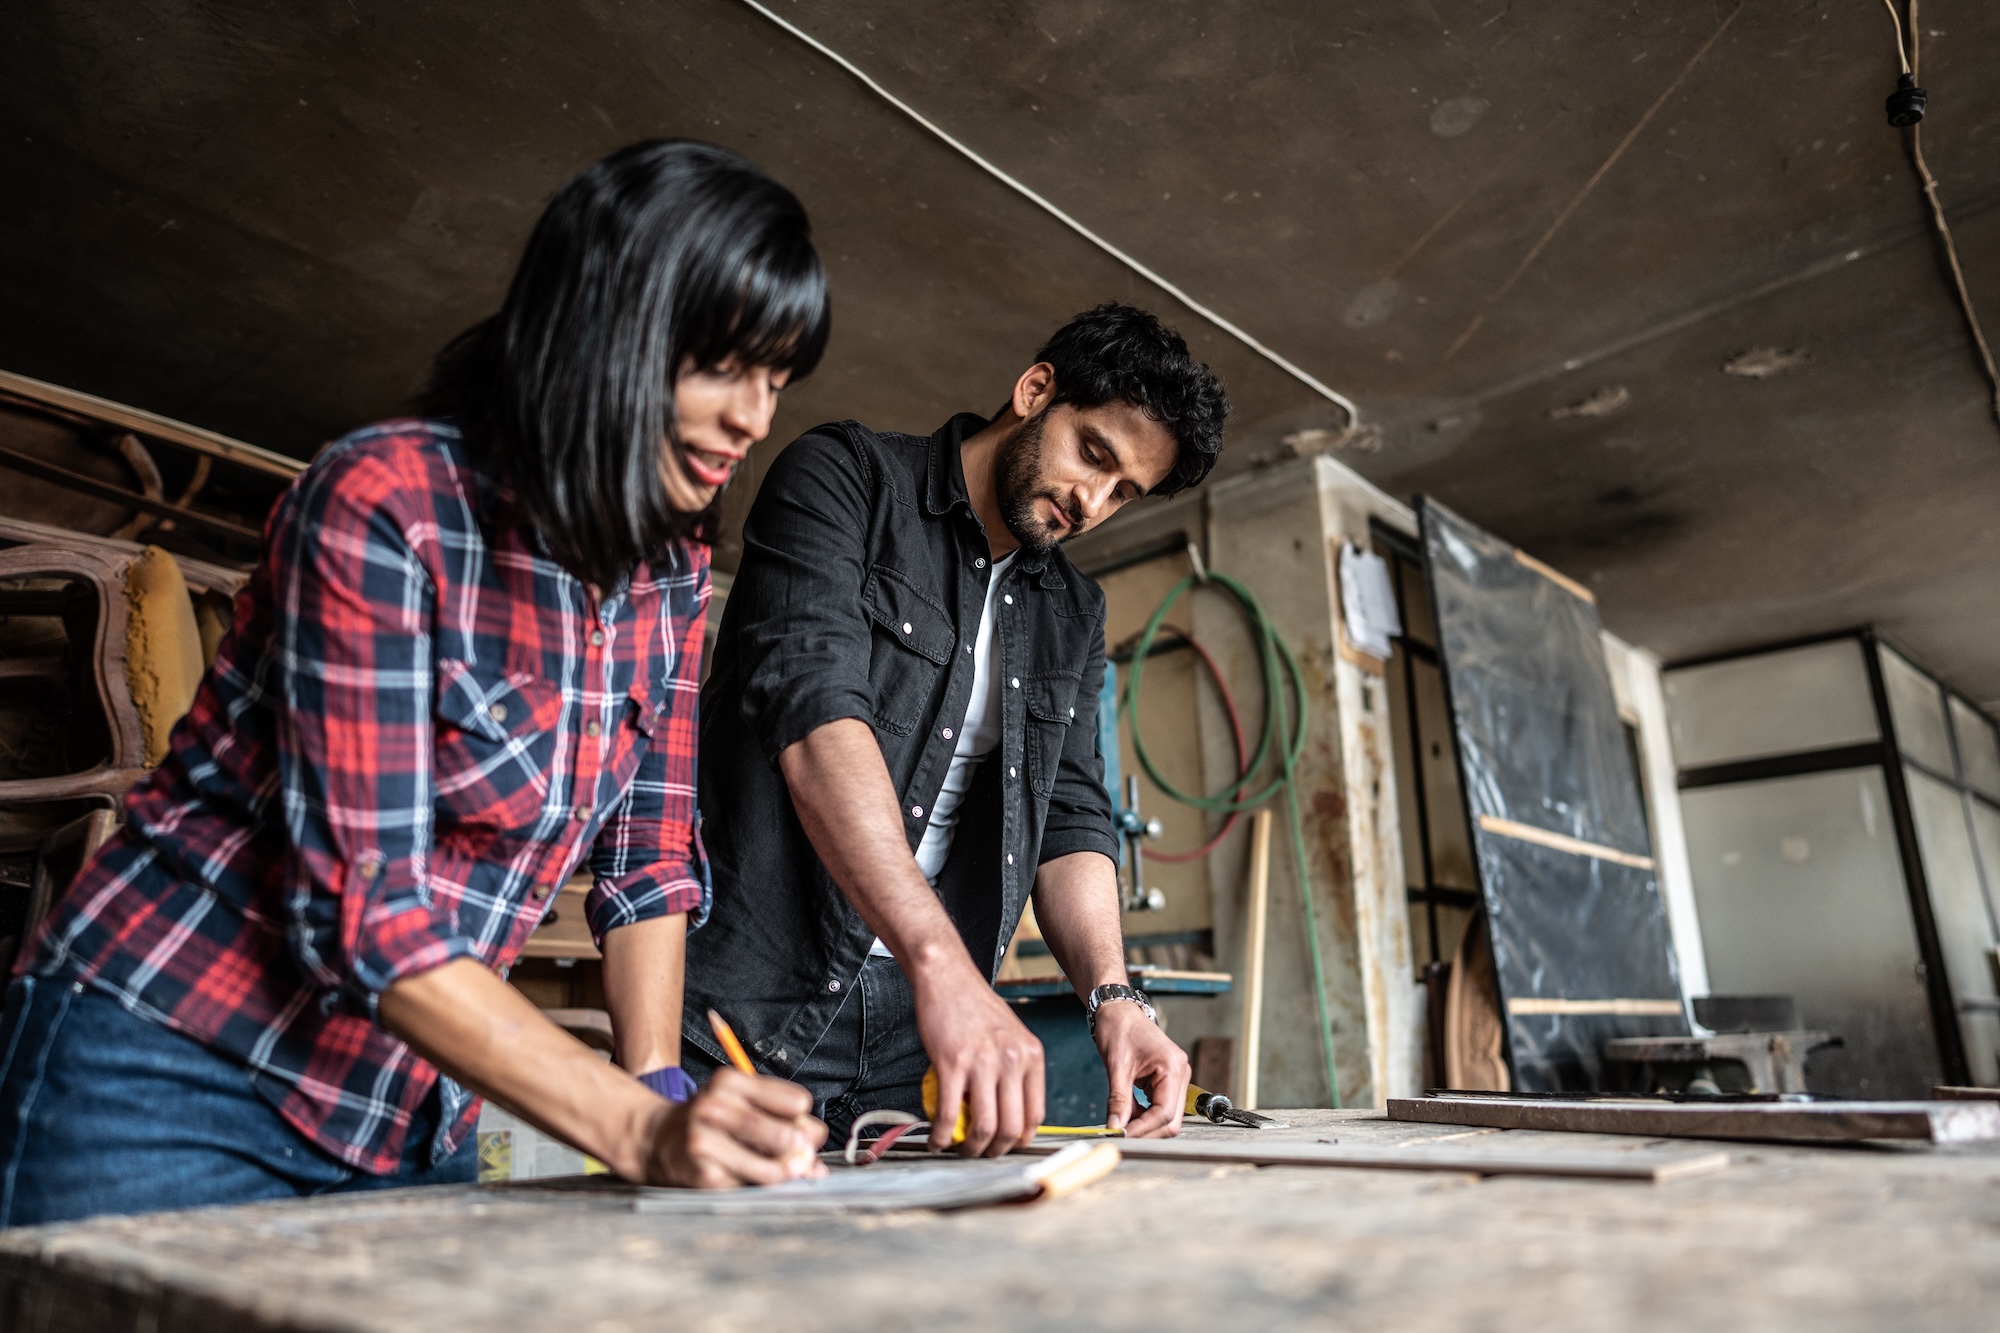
(1136, 1051)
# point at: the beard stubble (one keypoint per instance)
(1019, 482)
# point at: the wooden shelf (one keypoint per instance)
(565, 931)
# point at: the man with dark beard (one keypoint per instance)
(899, 744)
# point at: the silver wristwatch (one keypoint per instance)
(1115, 991)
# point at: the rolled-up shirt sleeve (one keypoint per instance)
(648, 859)
(798, 622)
(1079, 818)
(353, 677)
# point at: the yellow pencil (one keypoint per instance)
(730, 1046)
(806, 1163)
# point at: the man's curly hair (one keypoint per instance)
(1120, 353)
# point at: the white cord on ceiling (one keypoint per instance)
(1902, 52)
(1341, 400)
(1912, 57)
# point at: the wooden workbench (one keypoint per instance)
(1823, 1239)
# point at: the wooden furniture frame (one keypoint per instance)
(106, 657)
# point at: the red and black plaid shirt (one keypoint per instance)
(417, 728)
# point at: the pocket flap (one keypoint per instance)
(648, 714)
(910, 617)
(1052, 698)
(495, 707)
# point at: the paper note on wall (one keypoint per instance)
(1367, 601)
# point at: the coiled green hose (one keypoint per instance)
(1284, 725)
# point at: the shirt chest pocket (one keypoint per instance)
(911, 643)
(496, 743)
(641, 724)
(1051, 708)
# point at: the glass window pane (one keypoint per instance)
(1986, 835)
(1801, 893)
(1916, 705)
(1810, 698)
(1965, 930)
(1978, 748)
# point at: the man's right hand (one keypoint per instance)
(986, 1062)
(739, 1130)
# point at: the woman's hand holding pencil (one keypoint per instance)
(742, 1129)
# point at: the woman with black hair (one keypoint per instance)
(466, 665)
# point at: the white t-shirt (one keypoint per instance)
(976, 739)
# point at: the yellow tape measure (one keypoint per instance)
(1051, 1131)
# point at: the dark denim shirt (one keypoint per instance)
(859, 596)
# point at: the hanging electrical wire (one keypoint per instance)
(1283, 734)
(1905, 108)
(1338, 399)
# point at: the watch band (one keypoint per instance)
(1113, 990)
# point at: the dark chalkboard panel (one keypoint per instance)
(1544, 757)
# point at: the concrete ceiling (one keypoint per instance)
(1526, 238)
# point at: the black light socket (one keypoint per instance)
(1906, 105)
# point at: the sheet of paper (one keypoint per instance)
(1367, 601)
(886, 1187)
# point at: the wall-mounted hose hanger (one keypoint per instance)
(1270, 770)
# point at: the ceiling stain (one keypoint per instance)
(1761, 363)
(1603, 403)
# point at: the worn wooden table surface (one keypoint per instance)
(1870, 1237)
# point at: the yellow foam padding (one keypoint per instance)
(211, 613)
(163, 658)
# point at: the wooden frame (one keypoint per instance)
(125, 763)
(229, 524)
(1931, 1122)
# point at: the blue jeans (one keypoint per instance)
(871, 1059)
(102, 1111)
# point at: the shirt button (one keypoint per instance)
(1015, 682)
(498, 712)
(947, 733)
(1007, 598)
(582, 812)
(916, 812)
(597, 638)
(906, 627)
(542, 891)
(593, 728)
(1010, 770)
(979, 562)
(834, 985)
(968, 647)
(1010, 858)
